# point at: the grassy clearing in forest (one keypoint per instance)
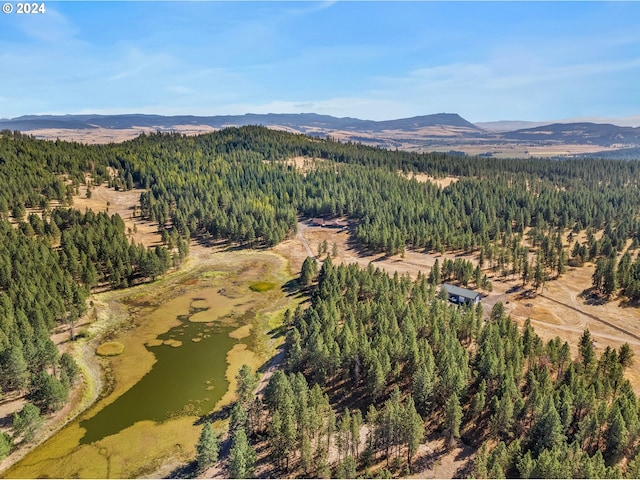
(560, 309)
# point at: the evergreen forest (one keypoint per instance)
(372, 353)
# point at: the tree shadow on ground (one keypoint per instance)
(220, 414)
(293, 288)
(590, 297)
(277, 332)
(186, 470)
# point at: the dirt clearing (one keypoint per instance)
(442, 182)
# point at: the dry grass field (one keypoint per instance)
(105, 199)
(100, 135)
(519, 150)
(427, 139)
(442, 182)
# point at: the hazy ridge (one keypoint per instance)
(442, 131)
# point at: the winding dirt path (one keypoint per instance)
(624, 331)
(300, 237)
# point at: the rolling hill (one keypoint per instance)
(436, 132)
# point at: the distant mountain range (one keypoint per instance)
(442, 131)
(597, 133)
(292, 120)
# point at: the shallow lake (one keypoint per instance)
(172, 371)
(188, 378)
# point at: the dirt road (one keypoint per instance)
(302, 226)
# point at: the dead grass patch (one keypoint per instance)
(236, 357)
(241, 332)
(101, 135)
(442, 182)
(302, 164)
(125, 455)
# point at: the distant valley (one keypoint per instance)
(437, 132)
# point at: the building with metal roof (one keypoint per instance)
(461, 295)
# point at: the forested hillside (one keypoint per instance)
(49, 261)
(397, 360)
(230, 185)
(253, 191)
(400, 364)
(386, 348)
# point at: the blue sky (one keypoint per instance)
(375, 60)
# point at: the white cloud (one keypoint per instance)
(526, 87)
(312, 7)
(180, 90)
(51, 27)
(133, 62)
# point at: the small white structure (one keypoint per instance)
(461, 295)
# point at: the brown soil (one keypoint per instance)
(302, 164)
(308, 238)
(435, 460)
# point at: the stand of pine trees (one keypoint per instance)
(386, 354)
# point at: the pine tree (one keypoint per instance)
(422, 385)
(610, 278)
(346, 468)
(547, 431)
(246, 383)
(587, 351)
(435, 277)
(633, 469)
(503, 417)
(208, 447)
(27, 421)
(6, 444)
(539, 274)
(413, 428)
(242, 457)
(617, 436)
(309, 271)
(625, 355)
(452, 419)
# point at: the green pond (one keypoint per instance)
(181, 337)
(185, 380)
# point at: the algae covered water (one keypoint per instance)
(182, 337)
(188, 378)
